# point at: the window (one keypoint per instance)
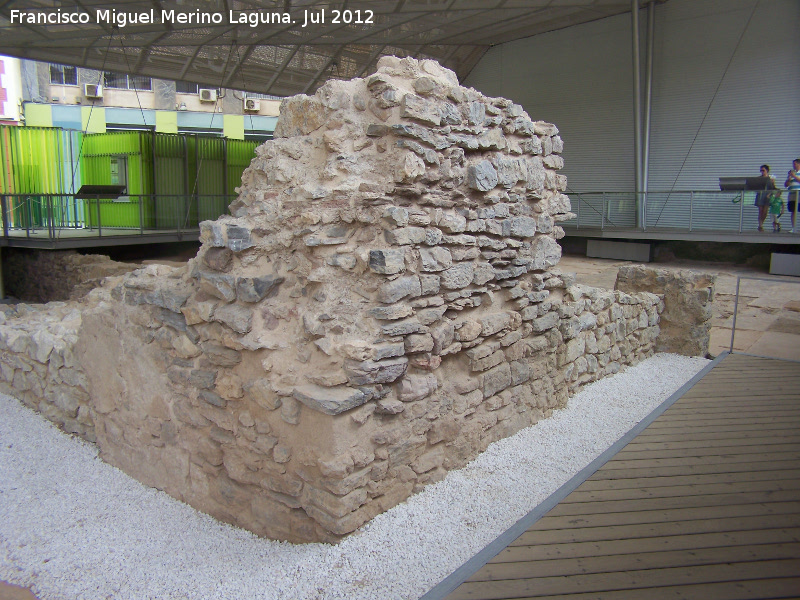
(63, 75)
(262, 96)
(127, 82)
(184, 87)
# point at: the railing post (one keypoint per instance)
(99, 222)
(603, 212)
(741, 211)
(644, 211)
(51, 230)
(691, 209)
(29, 218)
(735, 308)
(3, 205)
(578, 216)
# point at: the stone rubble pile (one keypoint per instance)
(381, 305)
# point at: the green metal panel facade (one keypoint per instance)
(37, 160)
(173, 180)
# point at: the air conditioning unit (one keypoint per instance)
(92, 90)
(252, 105)
(207, 95)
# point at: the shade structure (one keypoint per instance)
(279, 47)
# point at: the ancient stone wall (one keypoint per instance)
(38, 364)
(686, 323)
(382, 304)
(56, 275)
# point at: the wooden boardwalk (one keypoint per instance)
(703, 503)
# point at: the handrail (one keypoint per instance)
(55, 217)
(681, 210)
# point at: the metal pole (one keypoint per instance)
(99, 224)
(691, 208)
(741, 211)
(637, 107)
(3, 207)
(578, 224)
(141, 214)
(735, 309)
(51, 233)
(644, 211)
(603, 212)
(648, 96)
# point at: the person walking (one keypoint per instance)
(762, 198)
(793, 183)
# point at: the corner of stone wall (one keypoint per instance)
(688, 296)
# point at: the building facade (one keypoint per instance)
(53, 95)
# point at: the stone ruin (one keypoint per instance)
(382, 304)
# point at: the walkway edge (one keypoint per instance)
(445, 587)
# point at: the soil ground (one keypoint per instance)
(767, 317)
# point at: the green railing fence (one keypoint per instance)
(52, 215)
(172, 181)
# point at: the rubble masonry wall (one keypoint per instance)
(382, 304)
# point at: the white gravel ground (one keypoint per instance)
(73, 527)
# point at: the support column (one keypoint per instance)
(637, 112)
(648, 96)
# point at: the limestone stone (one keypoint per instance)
(329, 400)
(417, 387)
(370, 372)
(458, 276)
(219, 259)
(435, 259)
(404, 236)
(255, 289)
(482, 176)
(419, 109)
(218, 285)
(388, 261)
(235, 316)
(398, 289)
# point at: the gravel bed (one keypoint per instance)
(74, 528)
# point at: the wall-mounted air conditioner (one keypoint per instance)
(207, 95)
(251, 105)
(92, 90)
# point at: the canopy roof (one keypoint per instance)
(277, 57)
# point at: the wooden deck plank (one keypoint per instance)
(629, 579)
(707, 489)
(678, 480)
(660, 559)
(724, 501)
(735, 590)
(666, 515)
(703, 503)
(690, 436)
(638, 453)
(664, 529)
(704, 442)
(665, 471)
(540, 551)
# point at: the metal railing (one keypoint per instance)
(692, 210)
(56, 216)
